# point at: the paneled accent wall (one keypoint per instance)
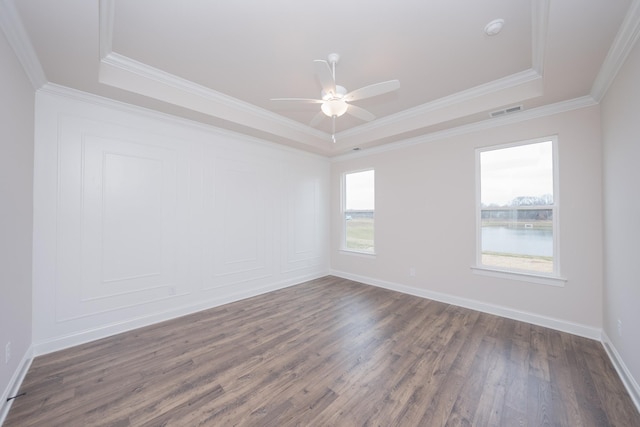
(140, 218)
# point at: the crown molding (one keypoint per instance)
(622, 45)
(534, 113)
(123, 107)
(514, 88)
(128, 74)
(107, 11)
(457, 98)
(540, 25)
(18, 39)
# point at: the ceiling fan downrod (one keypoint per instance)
(333, 60)
(335, 100)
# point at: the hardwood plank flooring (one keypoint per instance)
(329, 352)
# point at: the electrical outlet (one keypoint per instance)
(619, 327)
(412, 272)
(7, 352)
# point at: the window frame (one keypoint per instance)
(343, 214)
(554, 278)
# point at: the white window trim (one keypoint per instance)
(352, 252)
(523, 276)
(343, 207)
(554, 278)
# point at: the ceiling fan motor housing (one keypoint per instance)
(340, 93)
(335, 99)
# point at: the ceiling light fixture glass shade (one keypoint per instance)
(336, 107)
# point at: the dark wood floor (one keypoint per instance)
(330, 352)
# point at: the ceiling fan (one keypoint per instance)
(335, 100)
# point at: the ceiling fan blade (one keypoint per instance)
(325, 76)
(317, 119)
(307, 100)
(360, 113)
(372, 90)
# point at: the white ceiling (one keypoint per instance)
(220, 62)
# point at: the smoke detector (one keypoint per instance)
(494, 27)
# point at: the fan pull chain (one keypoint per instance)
(333, 129)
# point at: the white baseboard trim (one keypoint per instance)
(83, 337)
(625, 375)
(589, 332)
(14, 384)
(623, 372)
(535, 319)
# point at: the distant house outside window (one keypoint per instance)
(359, 211)
(517, 208)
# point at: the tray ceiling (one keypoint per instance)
(220, 63)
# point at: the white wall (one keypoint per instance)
(16, 192)
(140, 217)
(621, 141)
(425, 218)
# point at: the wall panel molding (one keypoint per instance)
(138, 219)
(302, 219)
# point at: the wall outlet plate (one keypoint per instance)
(619, 327)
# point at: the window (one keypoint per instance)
(358, 207)
(517, 208)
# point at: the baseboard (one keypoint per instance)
(14, 384)
(82, 337)
(623, 372)
(585, 331)
(535, 319)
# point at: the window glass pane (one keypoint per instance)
(521, 175)
(516, 211)
(518, 239)
(359, 210)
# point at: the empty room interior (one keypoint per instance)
(319, 213)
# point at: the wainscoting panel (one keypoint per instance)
(240, 241)
(304, 221)
(117, 222)
(129, 218)
(141, 217)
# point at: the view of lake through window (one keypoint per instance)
(517, 207)
(359, 208)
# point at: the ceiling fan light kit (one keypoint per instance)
(334, 107)
(335, 99)
(334, 104)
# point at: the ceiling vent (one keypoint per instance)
(509, 110)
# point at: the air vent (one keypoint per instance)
(509, 110)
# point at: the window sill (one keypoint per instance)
(521, 276)
(357, 253)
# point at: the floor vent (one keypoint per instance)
(509, 110)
